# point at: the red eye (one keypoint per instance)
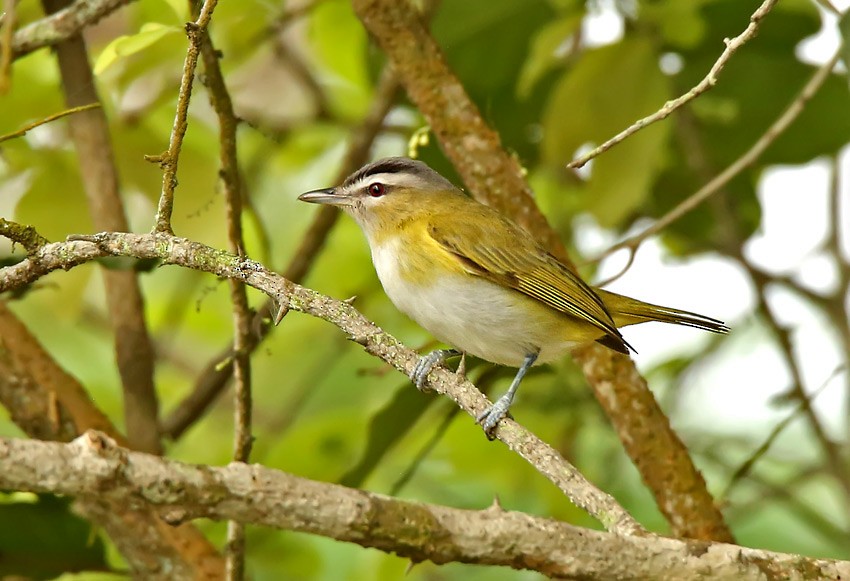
(376, 190)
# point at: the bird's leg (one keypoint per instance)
(426, 364)
(490, 417)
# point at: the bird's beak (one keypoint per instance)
(326, 196)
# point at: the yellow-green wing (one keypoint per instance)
(499, 250)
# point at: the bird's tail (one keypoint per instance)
(628, 311)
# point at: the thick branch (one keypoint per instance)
(48, 403)
(495, 177)
(93, 466)
(45, 401)
(183, 252)
(489, 172)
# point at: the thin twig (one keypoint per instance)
(27, 128)
(748, 158)
(217, 372)
(195, 31)
(233, 189)
(704, 85)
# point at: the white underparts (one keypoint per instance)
(472, 314)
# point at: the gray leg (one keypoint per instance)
(490, 417)
(427, 363)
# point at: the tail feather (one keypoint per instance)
(628, 311)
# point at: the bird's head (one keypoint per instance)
(383, 195)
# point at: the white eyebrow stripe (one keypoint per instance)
(389, 179)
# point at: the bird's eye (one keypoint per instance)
(376, 190)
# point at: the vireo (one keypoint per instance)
(476, 280)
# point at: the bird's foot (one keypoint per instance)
(490, 418)
(426, 364)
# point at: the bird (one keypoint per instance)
(476, 280)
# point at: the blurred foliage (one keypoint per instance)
(301, 80)
(43, 539)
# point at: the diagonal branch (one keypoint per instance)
(797, 105)
(704, 85)
(180, 251)
(496, 178)
(218, 371)
(49, 119)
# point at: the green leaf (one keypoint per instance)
(679, 21)
(604, 93)
(340, 43)
(123, 46)
(544, 53)
(465, 31)
(490, 69)
(180, 7)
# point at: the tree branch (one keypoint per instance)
(49, 119)
(90, 133)
(196, 31)
(746, 160)
(48, 403)
(8, 21)
(496, 178)
(215, 375)
(233, 189)
(180, 251)
(93, 465)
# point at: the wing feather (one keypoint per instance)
(523, 265)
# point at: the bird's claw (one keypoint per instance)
(426, 363)
(490, 418)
